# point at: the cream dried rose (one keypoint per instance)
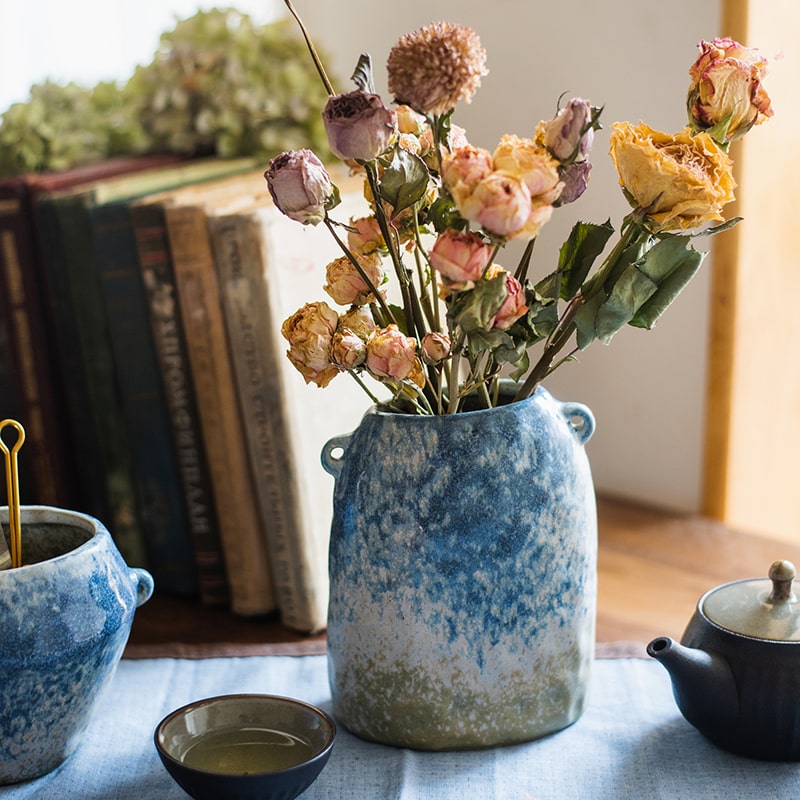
(345, 284)
(682, 181)
(726, 88)
(309, 332)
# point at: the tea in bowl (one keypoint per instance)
(245, 746)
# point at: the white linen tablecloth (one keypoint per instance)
(630, 743)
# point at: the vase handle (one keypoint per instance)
(332, 459)
(580, 419)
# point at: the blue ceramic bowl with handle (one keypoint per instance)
(65, 617)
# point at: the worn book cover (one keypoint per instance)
(269, 266)
(244, 544)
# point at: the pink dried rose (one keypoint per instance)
(435, 347)
(514, 305)
(726, 85)
(309, 332)
(463, 169)
(300, 186)
(345, 284)
(391, 354)
(500, 204)
(364, 236)
(359, 126)
(348, 350)
(460, 257)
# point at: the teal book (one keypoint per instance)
(157, 283)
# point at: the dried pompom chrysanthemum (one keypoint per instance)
(434, 68)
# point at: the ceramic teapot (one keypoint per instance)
(736, 672)
(65, 616)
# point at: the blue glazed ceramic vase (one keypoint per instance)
(65, 616)
(463, 575)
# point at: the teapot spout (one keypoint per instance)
(702, 683)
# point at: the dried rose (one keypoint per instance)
(460, 257)
(309, 332)
(540, 213)
(532, 164)
(514, 305)
(364, 236)
(359, 321)
(726, 89)
(409, 121)
(463, 169)
(435, 347)
(300, 186)
(392, 354)
(348, 350)
(569, 135)
(359, 125)
(346, 285)
(500, 204)
(682, 181)
(436, 67)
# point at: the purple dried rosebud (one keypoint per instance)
(300, 186)
(575, 177)
(569, 135)
(359, 125)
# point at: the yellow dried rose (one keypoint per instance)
(682, 181)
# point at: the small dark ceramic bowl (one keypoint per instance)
(245, 746)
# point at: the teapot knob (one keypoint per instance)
(781, 573)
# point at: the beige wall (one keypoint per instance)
(647, 389)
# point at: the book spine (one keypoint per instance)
(158, 280)
(240, 257)
(142, 401)
(45, 459)
(100, 443)
(244, 543)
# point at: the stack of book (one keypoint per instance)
(141, 302)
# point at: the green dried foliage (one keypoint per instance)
(218, 84)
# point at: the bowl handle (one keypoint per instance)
(144, 585)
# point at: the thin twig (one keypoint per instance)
(311, 49)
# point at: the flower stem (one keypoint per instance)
(354, 261)
(311, 49)
(633, 231)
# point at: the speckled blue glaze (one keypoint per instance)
(64, 620)
(463, 574)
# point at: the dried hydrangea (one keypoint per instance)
(436, 67)
(218, 84)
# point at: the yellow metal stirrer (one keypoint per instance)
(12, 489)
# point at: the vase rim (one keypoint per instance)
(380, 411)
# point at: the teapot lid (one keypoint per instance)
(763, 609)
